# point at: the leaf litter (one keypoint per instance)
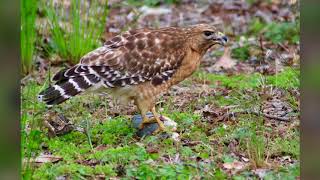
(264, 57)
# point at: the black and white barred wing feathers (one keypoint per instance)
(130, 59)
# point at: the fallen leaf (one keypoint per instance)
(146, 11)
(245, 159)
(101, 147)
(152, 150)
(234, 165)
(169, 123)
(45, 158)
(177, 159)
(63, 177)
(88, 162)
(186, 142)
(57, 124)
(260, 172)
(277, 107)
(175, 136)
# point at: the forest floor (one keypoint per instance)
(238, 116)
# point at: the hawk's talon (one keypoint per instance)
(160, 129)
(156, 131)
(147, 120)
(150, 120)
(141, 126)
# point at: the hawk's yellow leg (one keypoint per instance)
(145, 120)
(155, 118)
(145, 105)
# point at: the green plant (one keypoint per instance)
(278, 32)
(256, 150)
(80, 32)
(286, 146)
(241, 53)
(143, 171)
(219, 174)
(289, 78)
(121, 155)
(31, 136)
(291, 172)
(114, 131)
(256, 26)
(28, 10)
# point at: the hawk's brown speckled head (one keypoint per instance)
(203, 36)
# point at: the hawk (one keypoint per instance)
(137, 66)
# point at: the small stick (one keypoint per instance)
(283, 47)
(258, 114)
(261, 44)
(270, 116)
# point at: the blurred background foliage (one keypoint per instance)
(62, 32)
(28, 34)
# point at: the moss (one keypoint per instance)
(121, 155)
(73, 170)
(288, 78)
(125, 156)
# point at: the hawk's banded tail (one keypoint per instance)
(69, 83)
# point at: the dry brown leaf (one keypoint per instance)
(169, 123)
(57, 124)
(45, 158)
(151, 150)
(260, 172)
(101, 147)
(234, 165)
(245, 159)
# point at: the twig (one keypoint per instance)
(261, 44)
(25, 79)
(283, 47)
(231, 114)
(49, 74)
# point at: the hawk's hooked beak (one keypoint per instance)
(221, 38)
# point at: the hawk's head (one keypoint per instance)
(203, 36)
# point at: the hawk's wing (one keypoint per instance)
(132, 58)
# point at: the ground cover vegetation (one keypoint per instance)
(238, 116)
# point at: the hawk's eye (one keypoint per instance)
(208, 33)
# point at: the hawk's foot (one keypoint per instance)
(147, 120)
(152, 127)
